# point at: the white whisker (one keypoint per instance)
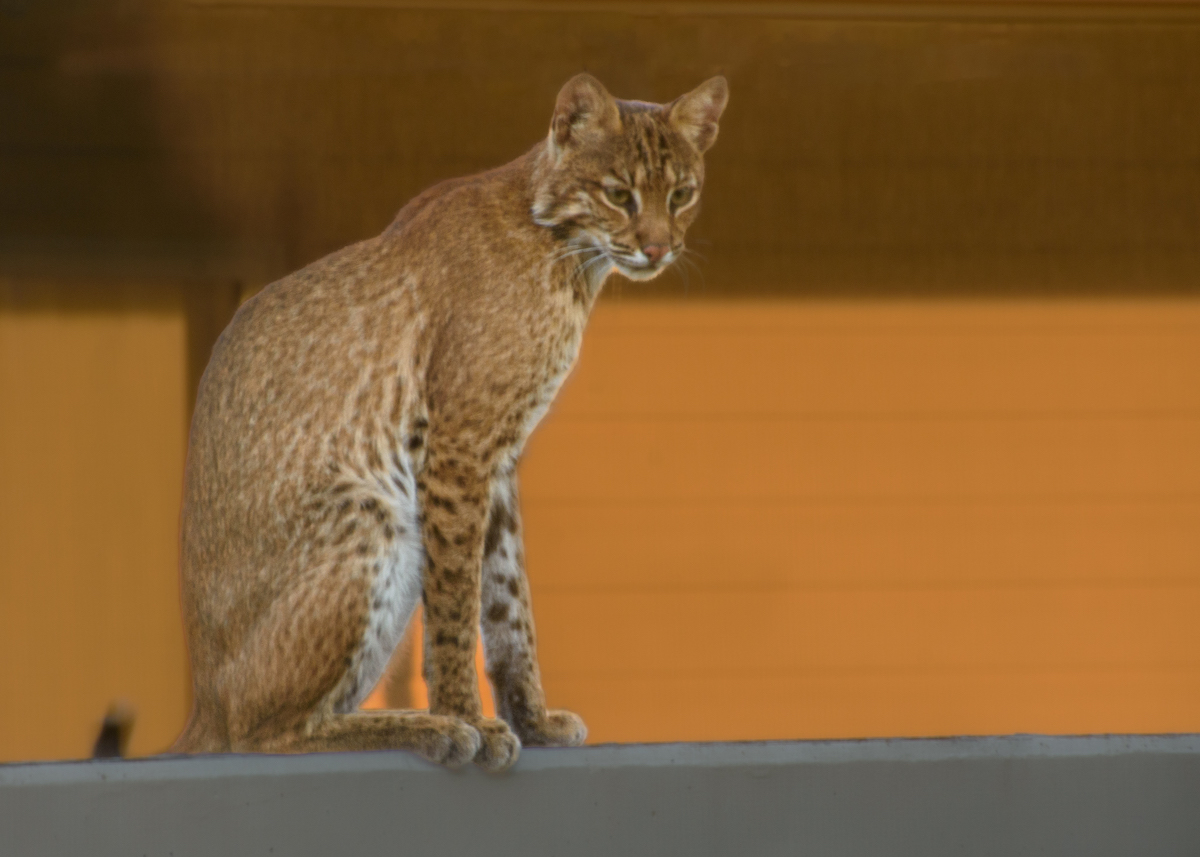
(600, 257)
(688, 263)
(566, 254)
(581, 265)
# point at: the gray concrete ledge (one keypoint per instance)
(1018, 795)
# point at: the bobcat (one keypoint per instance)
(357, 431)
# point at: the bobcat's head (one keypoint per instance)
(623, 177)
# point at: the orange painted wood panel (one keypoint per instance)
(988, 522)
(770, 547)
(700, 707)
(868, 458)
(91, 465)
(763, 358)
(821, 519)
(772, 635)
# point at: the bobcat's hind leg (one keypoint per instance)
(322, 644)
(509, 640)
(437, 738)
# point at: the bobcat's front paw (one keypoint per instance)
(557, 729)
(448, 741)
(498, 746)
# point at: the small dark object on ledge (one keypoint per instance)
(114, 732)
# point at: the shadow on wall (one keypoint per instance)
(928, 152)
(925, 152)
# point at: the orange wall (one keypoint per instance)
(91, 455)
(744, 520)
(805, 519)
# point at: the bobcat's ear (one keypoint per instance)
(584, 111)
(695, 115)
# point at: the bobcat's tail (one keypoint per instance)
(114, 731)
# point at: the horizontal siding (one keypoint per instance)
(640, 707)
(777, 634)
(872, 518)
(716, 546)
(930, 358)
(873, 458)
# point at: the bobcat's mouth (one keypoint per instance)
(641, 269)
(644, 272)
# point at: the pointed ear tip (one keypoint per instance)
(583, 79)
(719, 87)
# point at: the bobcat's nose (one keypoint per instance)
(655, 252)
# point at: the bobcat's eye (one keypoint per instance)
(620, 197)
(681, 196)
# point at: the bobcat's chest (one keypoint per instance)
(555, 362)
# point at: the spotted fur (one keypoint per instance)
(357, 431)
